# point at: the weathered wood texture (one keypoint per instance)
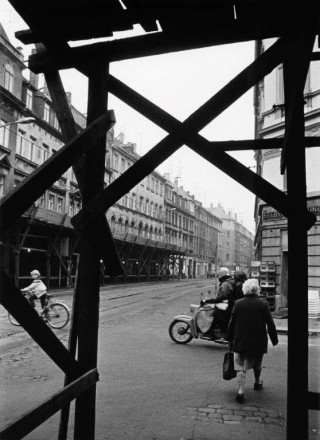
(105, 245)
(32, 419)
(314, 401)
(295, 68)
(17, 201)
(19, 307)
(89, 266)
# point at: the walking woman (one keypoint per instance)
(247, 332)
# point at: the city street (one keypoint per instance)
(151, 388)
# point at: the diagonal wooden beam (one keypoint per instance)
(182, 133)
(198, 120)
(29, 421)
(58, 96)
(20, 308)
(17, 201)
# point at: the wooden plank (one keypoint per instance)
(89, 265)
(105, 244)
(259, 144)
(17, 201)
(199, 119)
(26, 423)
(20, 308)
(157, 43)
(294, 68)
(314, 401)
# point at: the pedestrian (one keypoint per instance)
(37, 289)
(247, 334)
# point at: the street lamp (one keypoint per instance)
(19, 121)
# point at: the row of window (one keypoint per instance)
(150, 182)
(48, 113)
(179, 200)
(138, 204)
(57, 203)
(179, 220)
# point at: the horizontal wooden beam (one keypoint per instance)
(259, 144)
(26, 423)
(135, 47)
(19, 307)
(314, 401)
(17, 201)
(315, 56)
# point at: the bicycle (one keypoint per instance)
(55, 314)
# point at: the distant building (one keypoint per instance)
(208, 227)
(271, 241)
(236, 241)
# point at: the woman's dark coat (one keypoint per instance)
(247, 327)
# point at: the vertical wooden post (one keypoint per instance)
(48, 264)
(17, 258)
(89, 266)
(297, 397)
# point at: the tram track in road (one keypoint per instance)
(126, 297)
(149, 299)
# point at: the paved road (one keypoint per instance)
(151, 388)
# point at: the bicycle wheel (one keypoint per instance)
(13, 321)
(58, 315)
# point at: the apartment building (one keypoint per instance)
(271, 241)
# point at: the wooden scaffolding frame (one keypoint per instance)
(296, 27)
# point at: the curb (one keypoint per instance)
(284, 331)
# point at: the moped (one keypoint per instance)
(197, 325)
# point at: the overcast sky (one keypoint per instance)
(179, 83)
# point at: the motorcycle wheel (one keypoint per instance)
(179, 332)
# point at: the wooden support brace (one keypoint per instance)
(17, 201)
(182, 133)
(20, 308)
(314, 401)
(32, 419)
(198, 120)
(259, 144)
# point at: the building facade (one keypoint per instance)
(271, 228)
(43, 238)
(160, 230)
(236, 241)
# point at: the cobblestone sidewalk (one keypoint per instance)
(236, 414)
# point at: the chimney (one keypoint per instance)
(121, 137)
(34, 78)
(166, 176)
(69, 97)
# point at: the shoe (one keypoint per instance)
(258, 386)
(240, 398)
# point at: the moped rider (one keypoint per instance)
(226, 292)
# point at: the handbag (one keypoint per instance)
(228, 371)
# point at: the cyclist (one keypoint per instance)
(37, 289)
